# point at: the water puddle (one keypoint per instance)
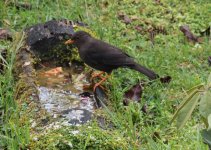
(61, 94)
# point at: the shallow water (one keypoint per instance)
(62, 95)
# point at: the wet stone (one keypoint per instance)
(77, 116)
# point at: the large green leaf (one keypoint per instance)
(206, 134)
(185, 113)
(185, 102)
(205, 104)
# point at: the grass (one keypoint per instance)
(170, 55)
(14, 135)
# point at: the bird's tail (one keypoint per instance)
(147, 72)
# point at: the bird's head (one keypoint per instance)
(78, 38)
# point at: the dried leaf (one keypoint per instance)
(133, 94)
(166, 79)
(53, 72)
(189, 35)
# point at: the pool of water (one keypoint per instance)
(61, 94)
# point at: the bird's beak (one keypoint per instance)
(69, 42)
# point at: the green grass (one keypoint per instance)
(170, 55)
(14, 135)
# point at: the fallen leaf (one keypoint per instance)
(189, 35)
(166, 79)
(133, 94)
(53, 72)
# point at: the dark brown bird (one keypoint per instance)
(105, 57)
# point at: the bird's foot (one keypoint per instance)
(99, 83)
(94, 75)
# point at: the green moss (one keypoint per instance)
(84, 138)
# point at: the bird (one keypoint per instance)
(105, 57)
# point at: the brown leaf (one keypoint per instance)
(189, 35)
(166, 79)
(54, 72)
(5, 34)
(133, 94)
(124, 18)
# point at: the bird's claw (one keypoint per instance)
(94, 75)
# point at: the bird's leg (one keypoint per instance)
(94, 75)
(98, 84)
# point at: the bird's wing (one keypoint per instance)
(108, 55)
